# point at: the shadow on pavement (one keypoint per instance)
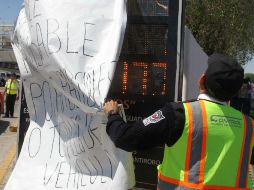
(3, 126)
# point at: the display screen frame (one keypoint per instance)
(137, 105)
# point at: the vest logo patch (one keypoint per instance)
(225, 121)
(155, 118)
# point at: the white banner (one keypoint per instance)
(67, 51)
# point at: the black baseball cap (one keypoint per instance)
(223, 77)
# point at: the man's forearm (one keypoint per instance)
(136, 136)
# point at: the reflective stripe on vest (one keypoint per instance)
(166, 183)
(194, 168)
(242, 174)
(194, 165)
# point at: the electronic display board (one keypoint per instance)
(146, 73)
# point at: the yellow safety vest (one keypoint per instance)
(213, 152)
(11, 87)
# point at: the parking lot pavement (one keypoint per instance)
(8, 144)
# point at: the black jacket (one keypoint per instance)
(158, 130)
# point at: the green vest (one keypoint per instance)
(11, 87)
(213, 151)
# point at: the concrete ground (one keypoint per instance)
(8, 144)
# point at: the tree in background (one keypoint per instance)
(250, 76)
(223, 26)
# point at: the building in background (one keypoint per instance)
(5, 33)
(8, 61)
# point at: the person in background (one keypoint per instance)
(12, 94)
(249, 95)
(2, 82)
(207, 142)
(242, 99)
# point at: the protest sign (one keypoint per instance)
(67, 51)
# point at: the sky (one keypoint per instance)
(249, 68)
(9, 10)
